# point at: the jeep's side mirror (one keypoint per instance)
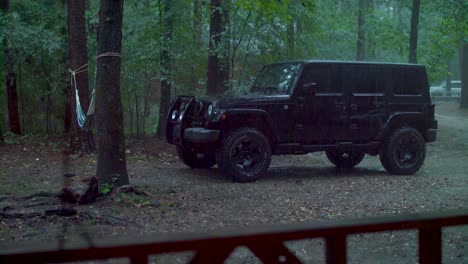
(309, 88)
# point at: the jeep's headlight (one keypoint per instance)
(174, 115)
(209, 110)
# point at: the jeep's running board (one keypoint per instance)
(295, 148)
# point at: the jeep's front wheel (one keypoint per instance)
(245, 155)
(345, 159)
(404, 152)
(193, 159)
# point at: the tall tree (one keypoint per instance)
(111, 160)
(166, 66)
(413, 43)
(2, 140)
(361, 31)
(371, 43)
(197, 22)
(10, 78)
(463, 60)
(217, 79)
(78, 64)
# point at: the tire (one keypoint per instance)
(404, 151)
(345, 159)
(245, 155)
(195, 159)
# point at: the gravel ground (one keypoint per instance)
(297, 189)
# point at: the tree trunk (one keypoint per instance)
(111, 160)
(166, 66)
(217, 81)
(448, 80)
(10, 79)
(463, 60)
(78, 61)
(2, 140)
(196, 39)
(291, 33)
(226, 44)
(371, 43)
(68, 108)
(413, 45)
(197, 23)
(361, 31)
(13, 114)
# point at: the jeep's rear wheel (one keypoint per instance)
(345, 159)
(404, 152)
(245, 155)
(195, 159)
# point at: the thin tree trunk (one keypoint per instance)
(146, 102)
(216, 77)
(226, 66)
(291, 36)
(166, 65)
(238, 43)
(371, 43)
(361, 31)
(111, 160)
(10, 78)
(2, 140)
(78, 61)
(196, 39)
(413, 43)
(129, 104)
(68, 108)
(137, 112)
(197, 23)
(448, 80)
(463, 60)
(13, 114)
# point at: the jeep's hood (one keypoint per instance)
(232, 101)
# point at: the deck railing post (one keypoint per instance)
(139, 259)
(336, 249)
(430, 245)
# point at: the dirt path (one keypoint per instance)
(296, 189)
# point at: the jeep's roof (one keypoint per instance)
(352, 62)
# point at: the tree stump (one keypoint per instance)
(79, 189)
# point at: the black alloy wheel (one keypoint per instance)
(245, 155)
(404, 152)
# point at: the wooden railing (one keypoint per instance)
(266, 242)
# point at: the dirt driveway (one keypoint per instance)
(296, 189)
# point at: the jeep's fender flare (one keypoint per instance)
(263, 121)
(400, 119)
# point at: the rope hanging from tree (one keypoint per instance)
(84, 121)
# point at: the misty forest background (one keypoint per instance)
(198, 47)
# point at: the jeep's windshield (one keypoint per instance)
(276, 78)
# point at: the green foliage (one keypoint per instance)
(105, 188)
(257, 34)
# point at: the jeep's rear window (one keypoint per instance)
(406, 82)
(276, 78)
(364, 79)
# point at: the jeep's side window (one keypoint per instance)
(406, 82)
(321, 75)
(363, 80)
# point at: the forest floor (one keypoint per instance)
(296, 189)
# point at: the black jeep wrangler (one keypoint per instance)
(347, 109)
